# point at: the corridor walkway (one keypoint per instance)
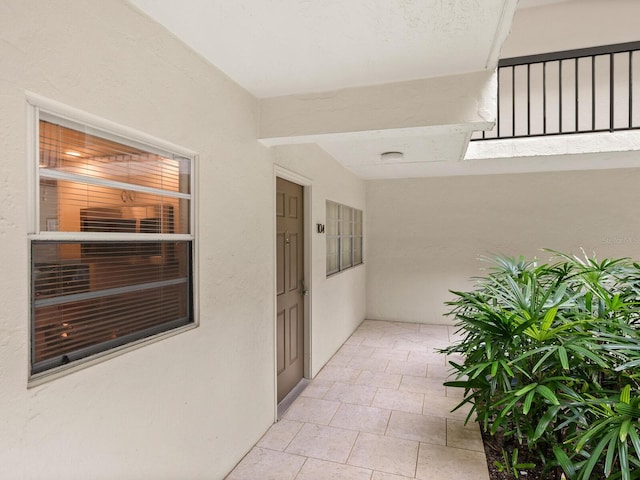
(376, 411)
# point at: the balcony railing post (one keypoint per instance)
(577, 105)
(630, 89)
(513, 101)
(560, 96)
(498, 113)
(544, 98)
(528, 99)
(593, 92)
(611, 91)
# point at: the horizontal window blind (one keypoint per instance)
(116, 275)
(67, 150)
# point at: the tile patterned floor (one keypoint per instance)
(376, 411)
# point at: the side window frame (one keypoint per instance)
(344, 236)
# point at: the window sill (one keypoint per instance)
(334, 274)
(55, 373)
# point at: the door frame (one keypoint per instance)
(307, 199)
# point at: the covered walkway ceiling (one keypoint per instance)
(286, 47)
(358, 77)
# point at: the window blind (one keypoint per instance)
(115, 266)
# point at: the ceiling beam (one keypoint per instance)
(468, 99)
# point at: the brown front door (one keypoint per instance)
(290, 285)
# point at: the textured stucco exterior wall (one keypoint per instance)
(426, 235)
(191, 405)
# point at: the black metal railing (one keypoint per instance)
(574, 91)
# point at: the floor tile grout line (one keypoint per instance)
(335, 413)
(374, 396)
(415, 470)
(351, 449)
(446, 431)
(301, 467)
(325, 393)
(386, 428)
(294, 436)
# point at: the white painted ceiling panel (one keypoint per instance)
(284, 47)
(363, 157)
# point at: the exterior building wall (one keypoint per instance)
(189, 406)
(426, 235)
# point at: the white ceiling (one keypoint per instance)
(284, 47)
(292, 47)
(362, 156)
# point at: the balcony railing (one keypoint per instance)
(574, 91)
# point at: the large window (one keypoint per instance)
(344, 237)
(111, 248)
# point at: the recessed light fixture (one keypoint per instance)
(72, 153)
(391, 156)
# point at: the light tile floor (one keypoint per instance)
(377, 411)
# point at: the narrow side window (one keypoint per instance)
(344, 234)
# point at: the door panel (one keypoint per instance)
(290, 285)
(293, 207)
(280, 252)
(279, 204)
(294, 325)
(281, 346)
(294, 279)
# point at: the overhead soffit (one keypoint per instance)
(293, 47)
(285, 47)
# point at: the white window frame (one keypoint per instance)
(342, 236)
(43, 108)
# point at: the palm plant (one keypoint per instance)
(549, 355)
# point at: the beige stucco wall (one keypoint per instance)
(191, 405)
(426, 235)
